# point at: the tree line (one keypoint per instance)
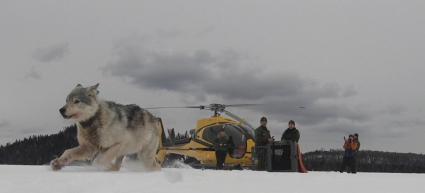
(367, 161)
(38, 149)
(41, 149)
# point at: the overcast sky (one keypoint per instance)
(357, 66)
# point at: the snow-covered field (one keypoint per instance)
(75, 179)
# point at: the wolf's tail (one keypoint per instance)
(163, 138)
(160, 155)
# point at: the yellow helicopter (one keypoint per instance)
(197, 150)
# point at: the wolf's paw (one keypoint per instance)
(154, 168)
(114, 168)
(57, 164)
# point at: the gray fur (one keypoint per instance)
(107, 131)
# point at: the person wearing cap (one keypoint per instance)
(291, 133)
(262, 139)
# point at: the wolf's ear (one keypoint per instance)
(78, 86)
(95, 86)
(93, 89)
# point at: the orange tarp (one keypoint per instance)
(301, 167)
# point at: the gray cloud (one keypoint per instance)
(172, 33)
(228, 76)
(205, 31)
(168, 33)
(393, 109)
(4, 124)
(33, 74)
(51, 53)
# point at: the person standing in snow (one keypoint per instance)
(262, 139)
(221, 148)
(172, 136)
(291, 133)
(349, 147)
(354, 160)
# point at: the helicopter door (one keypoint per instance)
(234, 133)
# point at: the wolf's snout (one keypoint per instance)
(62, 111)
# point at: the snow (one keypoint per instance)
(82, 179)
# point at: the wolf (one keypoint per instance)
(108, 131)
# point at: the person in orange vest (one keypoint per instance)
(349, 150)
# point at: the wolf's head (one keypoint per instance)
(81, 103)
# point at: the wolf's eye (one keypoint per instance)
(76, 101)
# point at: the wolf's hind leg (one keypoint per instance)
(81, 152)
(148, 157)
(148, 160)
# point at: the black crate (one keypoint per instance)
(282, 157)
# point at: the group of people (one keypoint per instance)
(224, 145)
(263, 138)
(351, 147)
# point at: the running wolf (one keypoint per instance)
(107, 131)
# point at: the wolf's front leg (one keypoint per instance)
(116, 166)
(81, 152)
(111, 158)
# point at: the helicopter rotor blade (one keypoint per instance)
(182, 107)
(241, 105)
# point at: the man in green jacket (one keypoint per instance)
(262, 139)
(292, 133)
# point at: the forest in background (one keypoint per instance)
(41, 149)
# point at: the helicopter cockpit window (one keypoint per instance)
(234, 133)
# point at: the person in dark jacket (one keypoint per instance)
(356, 140)
(292, 133)
(262, 134)
(355, 151)
(262, 139)
(221, 148)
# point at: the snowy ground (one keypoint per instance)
(76, 179)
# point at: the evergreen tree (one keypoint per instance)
(38, 150)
